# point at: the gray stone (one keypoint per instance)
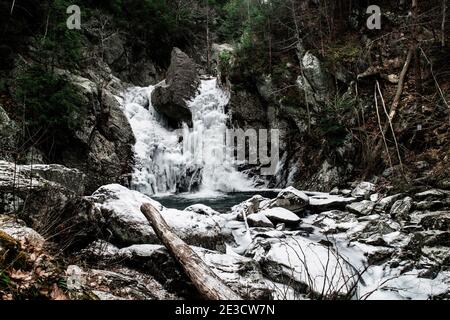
(71, 179)
(385, 204)
(259, 220)
(362, 208)
(281, 215)
(363, 190)
(182, 81)
(315, 81)
(31, 195)
(291, 199)
(18, 230)
(401, 208)
(432, 194)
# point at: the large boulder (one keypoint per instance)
(120, 208)
(25, 191)
(307, 266)
(18, 230)
(240, 273)
(315, 81)
(291, 199)
(171, 97)
(118, 283)
(69, 178)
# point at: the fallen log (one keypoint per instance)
(205, 281)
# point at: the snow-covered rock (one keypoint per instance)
(202, 209)
(307, 266)
(323, 202)
(240, 273)
(400, 209)
(432, 194)
(362, 208)
(259, 220)
(121, 209)
(385, 204)
(363, 190)
(250, 206)
(281, 215)
(291, 199)
(335, 221)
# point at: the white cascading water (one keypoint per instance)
(170, 161)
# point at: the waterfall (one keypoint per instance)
(187, 159)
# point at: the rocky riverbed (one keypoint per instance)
(352, 243)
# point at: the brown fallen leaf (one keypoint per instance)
(57, 293)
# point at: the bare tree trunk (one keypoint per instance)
(444, 10)
(12, 7)
(396, 101)
(206, 282)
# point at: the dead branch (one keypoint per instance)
(206, 282)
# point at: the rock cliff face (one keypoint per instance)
(103, 147)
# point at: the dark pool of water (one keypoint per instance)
(220, 202)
